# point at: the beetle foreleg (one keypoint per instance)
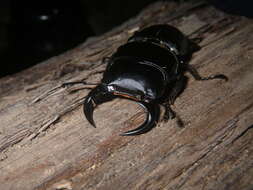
(77, 82)
(85, 85)
(197, 76)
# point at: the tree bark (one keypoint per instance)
(46, 143)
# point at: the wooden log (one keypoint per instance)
(46, 143)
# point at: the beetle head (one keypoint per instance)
(103, 93)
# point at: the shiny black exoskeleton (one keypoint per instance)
(149, 69)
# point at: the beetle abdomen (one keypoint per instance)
(166, 34)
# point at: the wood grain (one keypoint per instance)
(45, 143)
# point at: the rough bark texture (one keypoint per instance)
(45, 143)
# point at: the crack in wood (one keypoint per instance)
(56, 118)
(242, 134)
(220, 37)
(217, 142)
(10, 141)
(43, 128)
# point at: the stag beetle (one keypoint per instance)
(149, 70)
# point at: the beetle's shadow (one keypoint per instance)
(179, 121)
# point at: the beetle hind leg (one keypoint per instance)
(197, 76)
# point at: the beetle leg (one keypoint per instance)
(177, 90)
(153, 112)
(55, 89)
(169, 113)
(78, 88)
(197, 76)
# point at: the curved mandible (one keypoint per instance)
(153, 113)
(97, 96)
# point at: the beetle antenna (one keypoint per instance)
(77, 82)
(63, 85)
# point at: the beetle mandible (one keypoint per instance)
(149, 69)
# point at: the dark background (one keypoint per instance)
(32, 31)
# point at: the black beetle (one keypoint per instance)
(149, 69)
